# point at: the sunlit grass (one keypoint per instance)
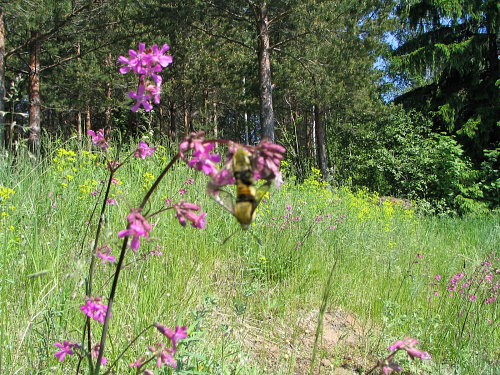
(242, 302)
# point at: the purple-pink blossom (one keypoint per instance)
(138, 227)
(95, 354)
(204, 161)
(66, 349)
(146, 62)
(95, 309)
(111, 201)
(103, 253)
(98, 139)
(408, 344)
(144, 150)
(140, 361)
(142, 99)
(174, 336)
(163, 355)
(186, 211)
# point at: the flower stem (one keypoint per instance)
(119, 265)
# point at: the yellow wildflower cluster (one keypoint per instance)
(368, 205)
(314, 183)
(87, 187)
(5, 194)
(148, 179)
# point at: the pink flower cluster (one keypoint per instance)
(95, 309)
(146, 62)
(265, 159)
(98, 138)
(201, 160)
(66, 348)
(186, 211)
(138, 227)
(408, 345)
(103, 253)
(164, 353)
(144, 150)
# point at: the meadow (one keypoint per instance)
(249, 308)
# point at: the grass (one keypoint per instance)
(250, 309)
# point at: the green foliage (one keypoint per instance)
(448, 57)
(406, 159)
(245, 305)
(491, 177)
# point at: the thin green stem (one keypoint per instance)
(126, 348)
(322, 309)
(119, 266)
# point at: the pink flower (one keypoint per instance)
(408, 344)
(103, 253)
(438, 277)
(65, 349)
(186, 211)
(155, 91)
(141, 98)
(204, 161)
(389, 367)
(163, 355)
(98, 139)
(95, 354)
(414, 353)
(195, 141)
(138, 227)
(95, 309)
(182, 191)
(472, 297)
(269, 156)
(135, 62)
(144, 150)
(174, 336)
(138, 363)
(159, 57)
(111, 201)
(189, 181)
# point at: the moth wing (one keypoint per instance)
(261, 192)
(225, 199)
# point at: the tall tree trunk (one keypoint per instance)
(107, 111)
(160, 121)
(78, 119)
(172, 127)
(186, 119)
(34, 95)
(245, 115)
(214, 119)
(320, 141)
(88, 125)
(265, 89)
(78, 122)
(2, 82)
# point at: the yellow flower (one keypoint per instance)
(5, 192)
